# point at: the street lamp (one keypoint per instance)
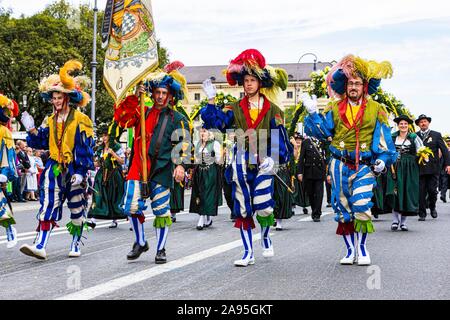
(315, 59)
(94, 65)
(24, 101)
(298, 72)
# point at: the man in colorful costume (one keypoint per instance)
(8, 109)
(253, 162)
(361, 145)
(161, 121)
(68, 134)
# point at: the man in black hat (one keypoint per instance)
(311, 171)
(429, 173)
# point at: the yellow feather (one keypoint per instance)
(182, 80)
(372, 69)
(67, 80)
(273, 94)
(86, 99)
(4, 101)
(362, 67)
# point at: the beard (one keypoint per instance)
(354, 96)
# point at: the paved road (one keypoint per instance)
(406, 265)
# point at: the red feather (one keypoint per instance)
(248, 56)
(176, 65)
(127, 114)
(15, 110)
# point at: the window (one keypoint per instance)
(242, 95)
(197, 97)
(290, 95)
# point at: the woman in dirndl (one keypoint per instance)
(207, 180)
(402, 189)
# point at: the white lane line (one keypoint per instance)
(310, 218)
(63, 230)
(25, 208)
(133, 278)
(100, 225)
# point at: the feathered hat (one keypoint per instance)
(351, 66)
(65, 83)
(252, 62)
(170, 78)
(8, 109)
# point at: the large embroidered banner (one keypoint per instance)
(128, 33)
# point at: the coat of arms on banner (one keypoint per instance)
(132, 51)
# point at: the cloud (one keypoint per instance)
(412, 34)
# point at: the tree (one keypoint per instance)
(37, 46)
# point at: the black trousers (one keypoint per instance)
(228, 192)
(16, 194)
(314, 189)
(428, 185)
(328, 187)
(443, 184)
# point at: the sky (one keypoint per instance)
(414, 35)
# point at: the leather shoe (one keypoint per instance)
(316, 219)
(422, 219)
(433, 213)
(208, 225)
(91, 224)
(443, 199)
(160, 257)
(113, 225)
(137, 251)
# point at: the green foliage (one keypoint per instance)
(294, 115)
(393, 105)
(318, 84)
(288, 116)
(35, 47)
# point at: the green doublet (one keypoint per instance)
(345, 138)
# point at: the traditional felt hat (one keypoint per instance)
(422, 116)
(102, 129)
(403, 117)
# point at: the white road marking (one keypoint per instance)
(100, 225)
(133, 278)
(63, 230)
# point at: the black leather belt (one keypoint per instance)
(351, 162)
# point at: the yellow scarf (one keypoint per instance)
(67, 138)
(6, 136)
